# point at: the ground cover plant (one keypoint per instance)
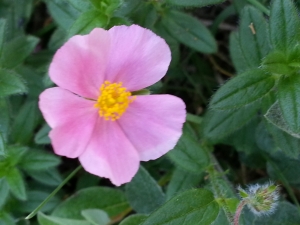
(149, 112)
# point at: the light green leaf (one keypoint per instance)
(38, 160)
(2, 145)
(10, 83)
(136, 219)
(189, 31)
(16, 183)
(4, 191)
(25, 123)
(2, 34)
(52, 220)
(284, 24)
(96, 216)
(289, 101)
(80, 5)
(4, 118)
(196, 3)
(17, 50)
(87, 22)
(41, 136)
(196, 207)
(49, 177)
(181, 181)
(253, 36)
(189, 155)
(110, 200)
(244, 89)
(143, 193)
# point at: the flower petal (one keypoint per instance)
(79, 65)
(138, 57)
(153, 123)
(71, 118)
(110, 154)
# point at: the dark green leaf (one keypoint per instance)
(87, 22)
(243, 90)
(189, 31)
(4, 190)
(16, 183)
(289, 96)
(196, 3)
(49, 177)
(38, 160)
(196, 207)
(143, 193)
(2, 34)
(10, 83)
(41, 136)
(80, 5)
(136, 219)
(4, 118)
(110, 200)
(253, 36)
(284, 24)
(15, 154)
(189, 155)
(181, 181)
(52, 220)
(2, 145)
(96, 216)
(18, 49)
(57, 39)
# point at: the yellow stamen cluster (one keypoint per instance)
(113, 100)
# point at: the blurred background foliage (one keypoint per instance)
(242, 131)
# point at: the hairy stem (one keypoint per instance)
(238, 212)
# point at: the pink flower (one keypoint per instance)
(92, 112)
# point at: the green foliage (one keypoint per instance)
(136, 219)
(143, 193)
(10, 83)
(195, 3)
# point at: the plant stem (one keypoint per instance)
(238, 212)
(260, 6)
(34, 212)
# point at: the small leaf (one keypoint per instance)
(87, 22)
(41, 136)
(49, 177)
(196, 207)
(52, 220)
(96, 216)
(195, 3)
(243, 89)
(10, 83)
(17, 50)
(110, 200)
(80, 5)
(289, 95)
(189, 155)
(4, 191)
(2, 146)
(4, 117)
(38, 160)
(284, 24)
(16, 183)
(181, 181)
(2, 34)
(136, 219)
(189, 31)
(143, 193)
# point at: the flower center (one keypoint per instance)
(113, 100)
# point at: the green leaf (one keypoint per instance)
(196, 207)
(110, 200)
(38, 160)
(253, 36)
(2, 145)
(16, 183)
(274, 116)
(17, 50)
(96, 216)
(63, 12)
(41, 136)
(219, 124)
(284, 24)
(143, 193)
(49, 177)
(80, 5)
(15, 154)
(57, 39)
(107, 6)
(189, 155)
(189, 31)
(52, 220)
(2, 34)
(4, 117)
(136, 219)
(4, 191)
(181, 181)
(87, 22)
(243, 90)
(195, 3)
(10, 83)
(25, 123)
(289, 101)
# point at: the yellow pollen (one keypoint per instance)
(113, 100)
